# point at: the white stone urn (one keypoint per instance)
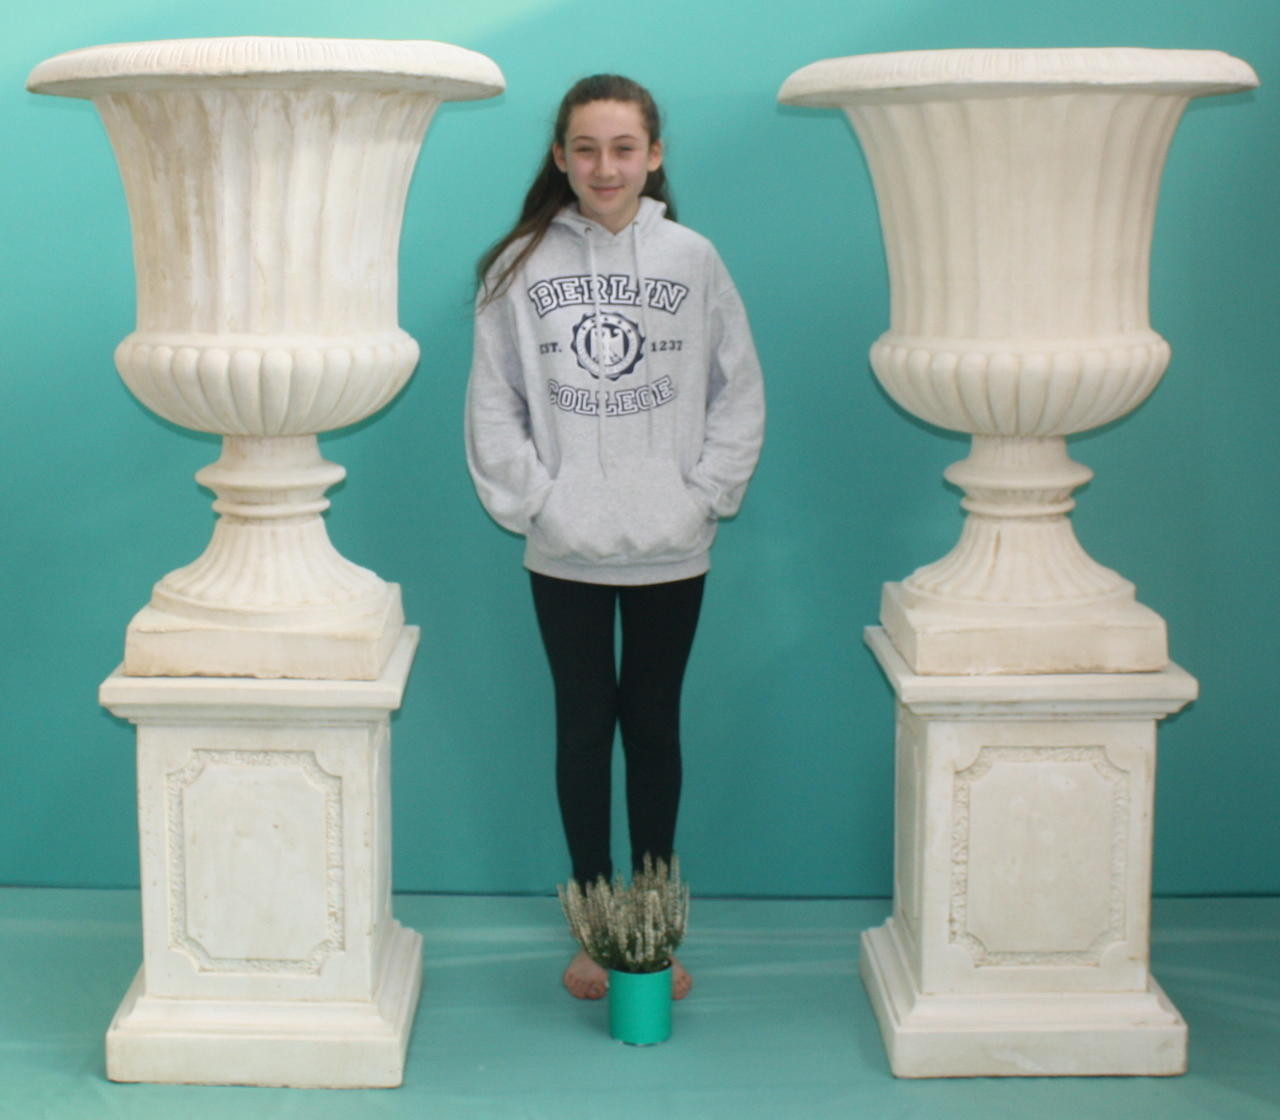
(1017, 191)
(266, 181)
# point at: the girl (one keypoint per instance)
(614, 414)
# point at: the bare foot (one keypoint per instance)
(681, 981)
(585, 979)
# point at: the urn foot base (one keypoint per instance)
(1112, 637)
(342, 646)
(294, 1044)
(1036, 1034)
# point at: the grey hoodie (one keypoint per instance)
(616, 409)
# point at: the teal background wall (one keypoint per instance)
(789, 725)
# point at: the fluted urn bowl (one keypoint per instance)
(266, 181)
(1017, 193)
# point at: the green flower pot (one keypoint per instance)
(640, 1006)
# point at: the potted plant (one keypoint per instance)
(633, 930)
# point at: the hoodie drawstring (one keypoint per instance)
(597, 347)
(644, 327)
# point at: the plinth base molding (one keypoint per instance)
(1017, 1035)
(320, 1045)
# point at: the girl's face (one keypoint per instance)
(607, 156)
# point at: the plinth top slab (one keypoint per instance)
(1149, 695)
(917, 75)
(441, 69)
(233, 698)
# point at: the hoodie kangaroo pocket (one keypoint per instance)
(660, 517)
(646, 514)
(576, 520)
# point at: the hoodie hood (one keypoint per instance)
(649, 213)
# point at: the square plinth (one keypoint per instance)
(1019, 940)
(270, 953)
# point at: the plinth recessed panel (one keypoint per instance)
(1040, 838)
(248, 831)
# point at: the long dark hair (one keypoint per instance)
(551, 192)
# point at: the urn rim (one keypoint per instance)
(443, 70)
(921, 75)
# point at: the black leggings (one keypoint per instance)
(592, 698)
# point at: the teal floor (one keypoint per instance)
(778, 1026)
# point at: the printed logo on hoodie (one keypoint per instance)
(607, 345)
